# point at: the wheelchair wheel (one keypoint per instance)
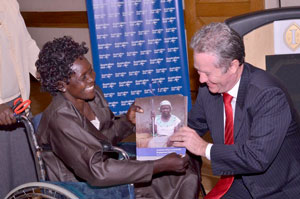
(40, 190)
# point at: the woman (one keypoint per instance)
(166, 124)
(79, 116)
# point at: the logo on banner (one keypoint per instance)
(292, 36)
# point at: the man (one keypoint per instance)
(260, 157)
(18, 53)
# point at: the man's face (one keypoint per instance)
(82, 82)
(216, 80)
(165, 110)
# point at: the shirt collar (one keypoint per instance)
(234, 91)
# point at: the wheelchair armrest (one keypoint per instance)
(107, 147)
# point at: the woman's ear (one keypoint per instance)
(38, 76)
(61, 86)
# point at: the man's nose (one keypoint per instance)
(202, 78)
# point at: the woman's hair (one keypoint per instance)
(55, 61)
(219, 40)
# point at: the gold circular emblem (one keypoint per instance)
(292, 36)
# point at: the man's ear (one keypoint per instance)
(235, 64)
(61, 86)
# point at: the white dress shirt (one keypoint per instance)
(233, 92)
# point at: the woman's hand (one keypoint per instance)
(131, 112)
(152, 114)
(6, 115)
(172, 163)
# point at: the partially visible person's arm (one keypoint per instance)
(32, 49)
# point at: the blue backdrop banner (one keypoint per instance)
(138, 49)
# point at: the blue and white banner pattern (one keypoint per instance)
(138, 49)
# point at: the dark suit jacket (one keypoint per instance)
(77, 154)
(266, 150)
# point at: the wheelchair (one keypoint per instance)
(64, 190)
(70, 190)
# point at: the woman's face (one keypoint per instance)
(82, 82)
(165, 111)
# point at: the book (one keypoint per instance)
(162, 117)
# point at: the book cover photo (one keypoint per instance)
(162, 117)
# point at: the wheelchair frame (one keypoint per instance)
(40, 189)
(45, 189)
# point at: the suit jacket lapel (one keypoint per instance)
(239, 108)
(220, 119)
(215, 108)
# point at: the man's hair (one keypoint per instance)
(55, 61)
(219, 40)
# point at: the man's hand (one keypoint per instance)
(131, 112)
(188, 138)
(172, 163)
(6, 115)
